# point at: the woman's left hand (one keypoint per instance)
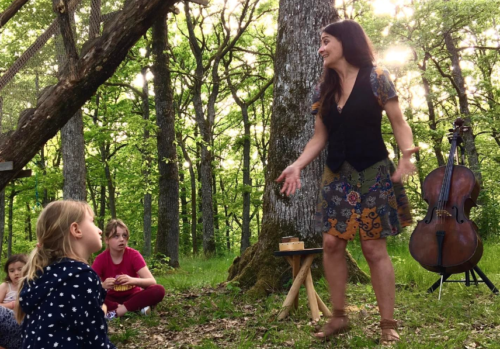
(125, 279)
(405, 166)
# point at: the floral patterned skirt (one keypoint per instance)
(367, 201)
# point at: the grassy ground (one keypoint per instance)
(196, 313)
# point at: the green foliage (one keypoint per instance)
(115, 127)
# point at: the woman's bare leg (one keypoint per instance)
(382, 275)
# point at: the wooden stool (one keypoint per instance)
(302, 275)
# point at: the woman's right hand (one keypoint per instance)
(291, 176)
(109, 283)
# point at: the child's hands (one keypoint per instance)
(9, 305)
(108, 283)
(124, 279)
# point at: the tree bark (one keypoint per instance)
(167, 239)
(10, 12)
(95, 67)
(297, 69)
(73, 153)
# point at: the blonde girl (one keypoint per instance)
(60, 296)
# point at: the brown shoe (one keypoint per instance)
(333, 328)
(389, 338)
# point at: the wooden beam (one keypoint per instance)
(6, 166)
(96, 66)
(23, 174)
(199, 2)
(6, 15)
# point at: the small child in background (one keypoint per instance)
(10, 331)
(60, 295)
(124, 273)
(8, 290)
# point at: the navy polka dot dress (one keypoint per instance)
(63, 308)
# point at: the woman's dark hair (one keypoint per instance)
(13, 259)
(357, 50)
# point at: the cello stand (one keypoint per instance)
(444, 278)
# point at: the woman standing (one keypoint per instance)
(361, 189)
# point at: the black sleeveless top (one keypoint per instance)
(355, 134)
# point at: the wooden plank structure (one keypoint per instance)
(302, 275)
(9, 166)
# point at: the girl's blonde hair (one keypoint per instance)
(54, 240)
(110, 229)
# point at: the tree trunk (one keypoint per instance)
(102, 207)
(194, 209)
(28, 222)
(73, 143)
(146, 172)
(111, 186)
(459, 85)
(247, 183)
(184, 210)
(73, 153)
(297, 70)
(436, 140)
(216, 203)
(68, 96)
(228, 225)
(205, 127)
(10, 220)
(2, 220)
(167, 239)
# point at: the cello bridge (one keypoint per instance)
(443, 213)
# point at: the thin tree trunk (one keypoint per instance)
(205, 127)
(2, 220)
(432, 119)
(167, 239)
(459, 85)
(146, 173)
(111, 187)
(45, 199)
(247, 183)
(297, 71)
(228, 225)
(216, 203)
(10, 220)
(192, 177)
(102, 207)
(184, 210)
(28, 221)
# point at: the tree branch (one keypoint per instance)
(6, 15)
(98, 65)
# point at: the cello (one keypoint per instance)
(446, 241)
